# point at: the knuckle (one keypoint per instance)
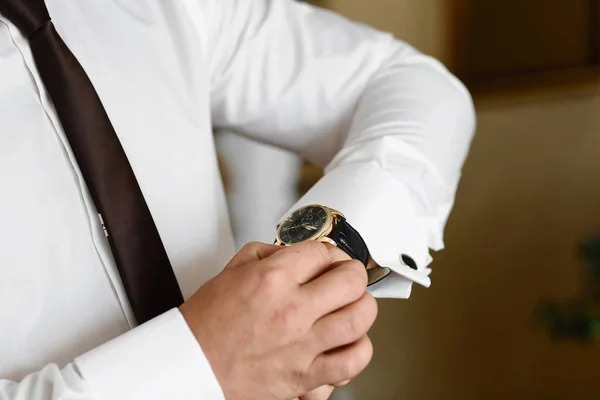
(250, 246)
(358, 359)
(354, 327)
(273, 278)
(355, 277)
(368, 352)
(320, 250)
(250, 250)
(360, 270)
(371, 306)
(362, 316)
(350, 368)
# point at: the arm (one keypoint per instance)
(392, 125)
(156, 361)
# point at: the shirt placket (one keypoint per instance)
(95, 225)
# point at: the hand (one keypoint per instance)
(324, 392)
(278, 323)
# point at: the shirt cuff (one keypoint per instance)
(380, 208)
(155, 361)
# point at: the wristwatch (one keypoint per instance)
(324, 224)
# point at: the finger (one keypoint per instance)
(338, 254)
(305, 260)
(322, 393)
(253, 251)
(345, 326)
(342, 364)
(342, 285)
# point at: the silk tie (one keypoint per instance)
(138, 251)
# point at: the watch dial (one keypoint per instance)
(302, 224)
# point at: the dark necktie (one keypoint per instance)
(141, 258)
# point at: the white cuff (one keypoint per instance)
(155, 361)
(379, 207)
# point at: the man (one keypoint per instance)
(94, 243)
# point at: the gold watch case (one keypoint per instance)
(322, 234)
(375, 273)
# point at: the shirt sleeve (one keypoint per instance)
(155, 361)
(391, 125)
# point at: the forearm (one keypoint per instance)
(397, 173)
(392, 125)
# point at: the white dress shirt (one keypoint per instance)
(392, 125)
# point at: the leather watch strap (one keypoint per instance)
(349, 240)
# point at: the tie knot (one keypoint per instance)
(27, 15)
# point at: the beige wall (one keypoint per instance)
(530, 193)
(420, 22)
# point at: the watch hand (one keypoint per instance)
(309, 227)
(291, 227)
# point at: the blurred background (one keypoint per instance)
(514, 308)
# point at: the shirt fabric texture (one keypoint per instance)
(392, 126)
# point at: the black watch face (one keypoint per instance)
(302, 224)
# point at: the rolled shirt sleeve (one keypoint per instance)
(392, 125)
